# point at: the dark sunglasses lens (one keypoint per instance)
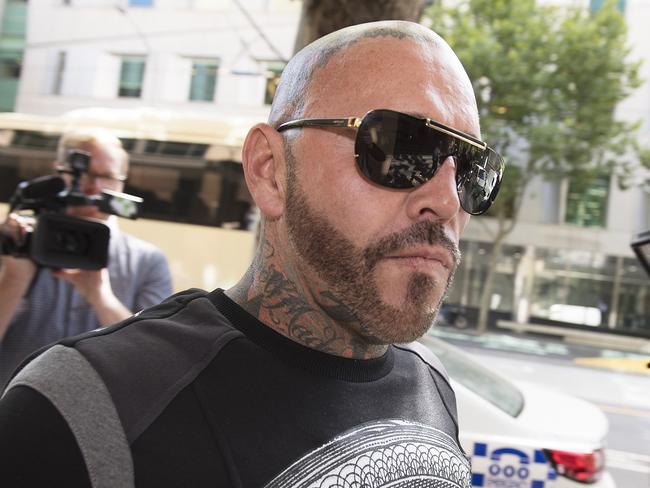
(479, 178)
(399, 151)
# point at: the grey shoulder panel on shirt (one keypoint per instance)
(148, 361)
(441, 379)
(75, 389)
(427, 356)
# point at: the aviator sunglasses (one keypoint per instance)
(397, 150)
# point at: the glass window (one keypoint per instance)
(14, 19)
(634, 297)
(175, 181)
(35, 140)
(14, 169)
(587, 202)
(273, 72)
(215, 196)
(10, 68)
(131, 76)
(10, 65)
(488, 385)
(173, 148)
(573, 286)
(128, 144)
(58, 74)
(204, 79)
(577, 260)
(471, 274)
(13, 15)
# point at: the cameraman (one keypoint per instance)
(39, 306)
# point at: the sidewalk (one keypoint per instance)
(598, 339)
(599, 354)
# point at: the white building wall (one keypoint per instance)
(95, 33)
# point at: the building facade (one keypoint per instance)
(220, 56)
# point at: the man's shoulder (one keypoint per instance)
(146, 360)
(425, 356)
(58, 405)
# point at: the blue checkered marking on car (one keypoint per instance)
(541, 458)
(481, 450)
(497, 453)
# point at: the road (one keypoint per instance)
(623, 397)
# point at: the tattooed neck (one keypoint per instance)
(275, 295)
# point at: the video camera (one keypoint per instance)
(59, 240)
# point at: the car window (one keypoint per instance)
(477, 378)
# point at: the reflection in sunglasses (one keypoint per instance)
(408, 168)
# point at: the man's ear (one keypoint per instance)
(264, 165)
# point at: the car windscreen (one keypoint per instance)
(488, 385)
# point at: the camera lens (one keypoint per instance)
(70, 242)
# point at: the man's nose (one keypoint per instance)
(438, 197)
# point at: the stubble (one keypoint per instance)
(349, 272)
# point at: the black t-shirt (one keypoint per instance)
(261, 410)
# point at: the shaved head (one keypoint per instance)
(293, 90)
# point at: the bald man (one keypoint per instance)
(304, 373)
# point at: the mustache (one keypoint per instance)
(425, 232)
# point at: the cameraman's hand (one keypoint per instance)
(91, 284)
(15, 273)
(18, 270)
(95, 287)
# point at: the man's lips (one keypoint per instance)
(425, 253)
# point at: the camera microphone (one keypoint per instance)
(43, 187)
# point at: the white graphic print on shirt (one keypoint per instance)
(393, 453)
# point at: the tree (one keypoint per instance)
(547, 80)
(320, 17)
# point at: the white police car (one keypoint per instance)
(521, 435)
